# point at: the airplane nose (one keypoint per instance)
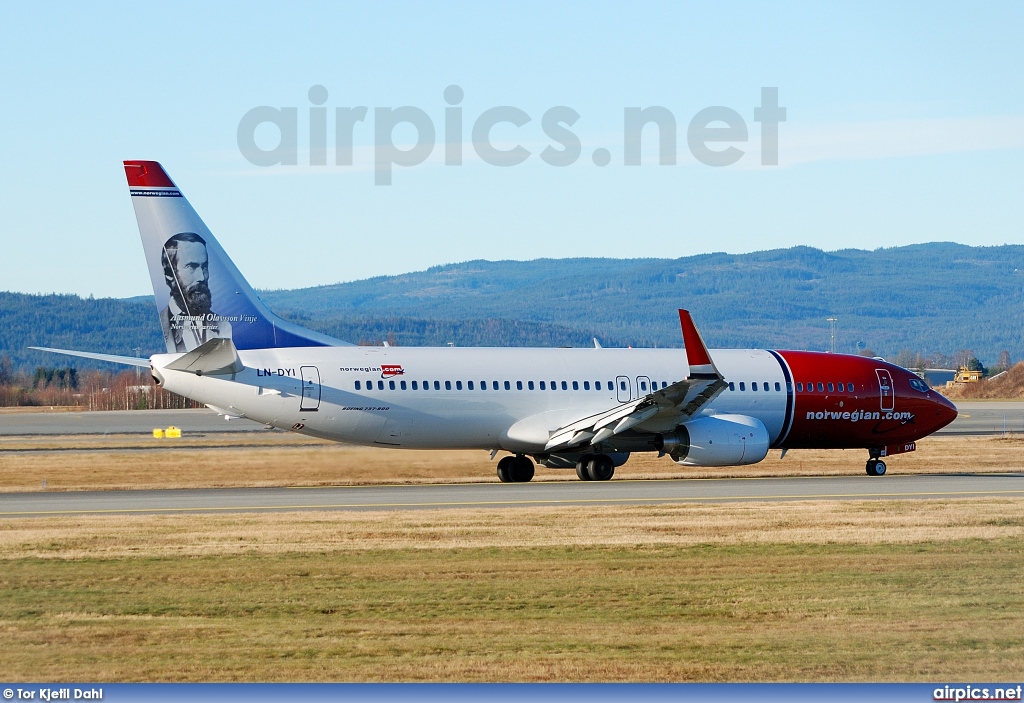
(945, 410)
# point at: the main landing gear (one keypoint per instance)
(515, 469)
(595, 467)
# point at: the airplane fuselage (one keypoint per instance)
(422, 398)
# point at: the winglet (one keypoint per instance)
(697, 355)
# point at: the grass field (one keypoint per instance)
(914, 590)
(808, 590)
(277, 458)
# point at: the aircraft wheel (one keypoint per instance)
(521, 469)
(581, 467)
(504, 469)
(876, 467)
(600, 468)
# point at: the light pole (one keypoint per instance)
(832, 328)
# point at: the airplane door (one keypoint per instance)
(310, 389)
(623, 388)
(643, 386)
(885, 389)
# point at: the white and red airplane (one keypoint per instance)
(587, 409)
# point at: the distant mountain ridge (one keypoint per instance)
(937, 297)
(932, 298)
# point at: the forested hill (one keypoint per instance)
(69, 322)
(929, 298)
(938, 297)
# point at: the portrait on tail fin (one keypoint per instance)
(188, 321)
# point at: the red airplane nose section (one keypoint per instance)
(947, 412)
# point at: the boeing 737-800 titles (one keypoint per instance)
(587, 409)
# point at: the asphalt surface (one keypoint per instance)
(977, 418)
(121, 422)
(497, 495)
(986, 418)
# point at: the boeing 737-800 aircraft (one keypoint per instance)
(586, 409)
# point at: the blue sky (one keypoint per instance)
(905, 123)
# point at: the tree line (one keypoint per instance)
(88, 389)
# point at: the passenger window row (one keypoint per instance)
(754, 386)
(496, 385)
(832, 387)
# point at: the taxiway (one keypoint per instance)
(495, 495)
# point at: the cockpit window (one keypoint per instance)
(919, 385)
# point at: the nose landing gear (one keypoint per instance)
(875, 465)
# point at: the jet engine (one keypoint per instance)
(719, 440)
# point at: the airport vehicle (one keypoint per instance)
(966, 375)
(586, 409)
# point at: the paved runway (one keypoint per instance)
(498, 495)
(986, 418)
(120, 422)
(977, 418)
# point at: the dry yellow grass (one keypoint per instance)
(856, 591)
(801, 522)
(277, 459)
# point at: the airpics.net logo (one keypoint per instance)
(977, 693)
(714, 135)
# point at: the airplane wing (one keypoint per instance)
(668, 406)
(111, 358)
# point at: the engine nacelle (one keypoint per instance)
(722, 440)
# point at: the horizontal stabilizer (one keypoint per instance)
(111, 358)
(216, 357)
